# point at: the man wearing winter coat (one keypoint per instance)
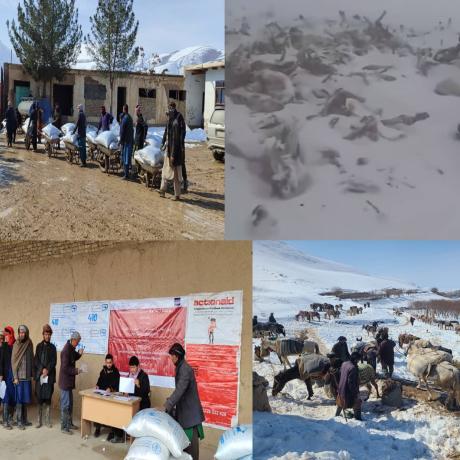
(45, 369)
(174, 144)
(387, 355)
(126, 141)
(80, 128)
(105, 121)
(141, 129)
(11, 123)
(348, 389)
(67, 373)
(33, 125)
(340, 349)
(109, 380)
(186, 401)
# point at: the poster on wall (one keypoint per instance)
(90, 319)
(147, 333)
(213, 346)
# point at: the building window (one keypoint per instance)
(220, 92)
(150, 93)
(174, 94)
(182, 95)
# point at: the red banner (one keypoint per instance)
(216, 371)
(147, 334)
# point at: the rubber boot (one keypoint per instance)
(48, 416)
(19, 420)
(6, 417)
(338, 411)
(25, 420)
(357, 414)
(40, 415)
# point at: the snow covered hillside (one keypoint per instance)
(343, 126)
(286, 281)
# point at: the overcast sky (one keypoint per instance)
(164, 25)
(415, 13)
(425, 263)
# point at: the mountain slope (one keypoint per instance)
(286, 279)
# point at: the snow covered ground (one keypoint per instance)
(401, 185)
(286, 281)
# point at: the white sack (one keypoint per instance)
(235, 443)
(150, 155)
(106, 138)
(68, 127)
(160, 425)
(51, 131)
(147, 448)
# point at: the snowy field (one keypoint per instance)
(286, 281)
(303, 177)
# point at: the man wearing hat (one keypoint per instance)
(80, 128)
(22, 361)
(141, 128)
(341, 349)
(67, 373)
(45, 375)
(186, 401)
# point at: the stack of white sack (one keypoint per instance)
(158, 437)
(150, 155)
(235, 444)
(25, 125)
(68, 127)
(51, 131)
(154, 137)
(115, 128)
(91, 133)
(72, 138)
(106, 138)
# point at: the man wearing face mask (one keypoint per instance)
(174, 144)
(22, 361)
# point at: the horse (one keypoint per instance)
(276, 329)
(370, 329)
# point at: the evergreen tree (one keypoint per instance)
(46, 38)
(113, 35)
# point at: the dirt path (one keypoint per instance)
(48, 198)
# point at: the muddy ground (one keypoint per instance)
(48, 198)
(50, 444)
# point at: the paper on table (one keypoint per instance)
(43, 379)
(126, 385)
(2, 389)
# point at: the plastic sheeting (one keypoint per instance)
(235, 444)
(161, 426)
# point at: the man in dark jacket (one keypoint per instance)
(387, 355)
(80, 128)
(45, 375)
(271, 318)
(141, 382)
(126, 141)
(340, 349)
(141, 129)
(67, 373)
(57, 116)
(33, 125)
(109, 380)
(18, 123)
(174, 144)
(186, 401)
(254, 320)
(104, 121)
(348, 390)
(11, 123)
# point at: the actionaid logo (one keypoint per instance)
(207, 302)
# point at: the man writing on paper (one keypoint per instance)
(67, 373)
(45, 375)
(109, 380)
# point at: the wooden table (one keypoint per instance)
(105, 410)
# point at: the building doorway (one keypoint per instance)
(63, 95)
(121, 100)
